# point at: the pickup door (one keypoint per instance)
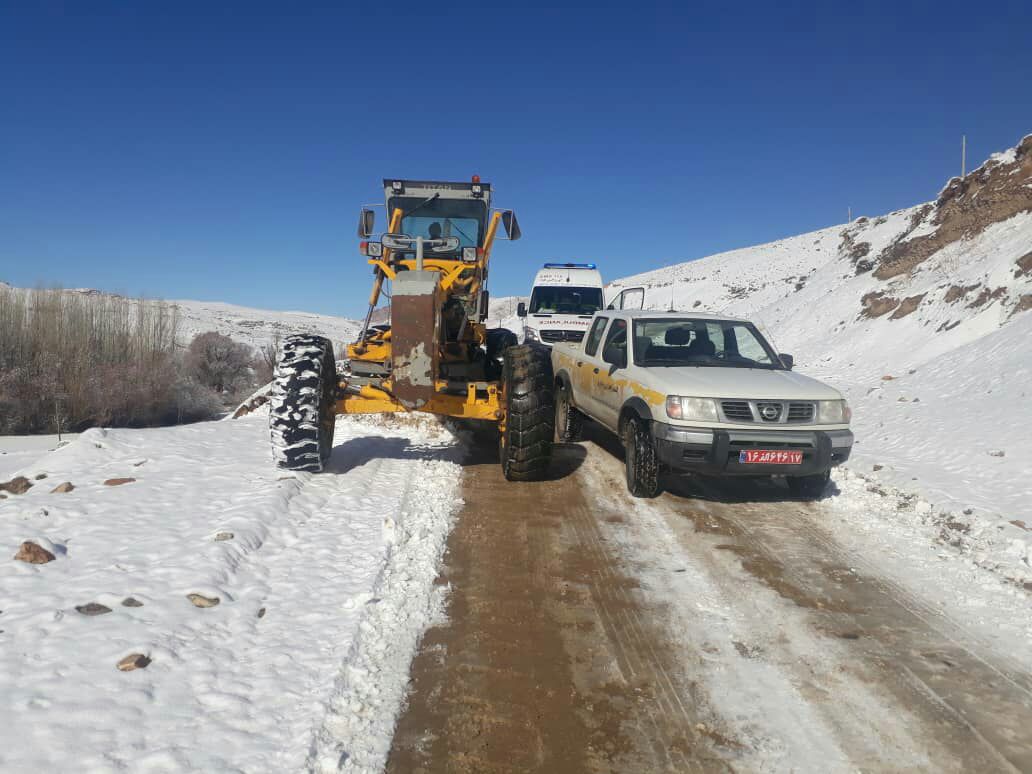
(586, 366)
(607, 382)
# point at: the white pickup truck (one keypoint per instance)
(699, 393)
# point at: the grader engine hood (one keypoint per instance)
(414, 321)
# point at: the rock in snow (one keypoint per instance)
(134, 661)
(33, 554)
(118, 481)
(18, 485)
(92, 608)
(199, 600)
(64, 488)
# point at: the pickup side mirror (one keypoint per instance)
(521, 309)
(366, 223)
(615, 356)
(787, 360)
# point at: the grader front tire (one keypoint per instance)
(301, 414)
(525, 446)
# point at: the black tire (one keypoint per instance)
(640, 460)
(525, 446)
(301, 415)
(498, 340)
(568, 420)
(809, 487)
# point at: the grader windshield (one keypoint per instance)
(435, 210)
(442, 218)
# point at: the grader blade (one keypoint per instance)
(414, 353)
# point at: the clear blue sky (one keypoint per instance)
(221, 151)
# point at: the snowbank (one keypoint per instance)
(265, 601)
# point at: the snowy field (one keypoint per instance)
(17, 451)
(275, 613)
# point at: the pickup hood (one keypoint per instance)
(744, 383)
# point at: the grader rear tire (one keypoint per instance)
(301, 415)
(525, 446)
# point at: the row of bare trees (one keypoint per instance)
(85, 359)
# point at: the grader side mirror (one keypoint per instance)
(366, 223)
(511, 225)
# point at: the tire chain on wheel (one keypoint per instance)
(526, 445)
(301, 414)
(643, 473)
(568, 420)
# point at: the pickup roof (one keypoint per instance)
(699, 393)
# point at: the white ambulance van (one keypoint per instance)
(562, 303)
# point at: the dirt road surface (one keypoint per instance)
(717, 628)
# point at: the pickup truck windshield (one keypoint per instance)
(565, 300)
(693, 342)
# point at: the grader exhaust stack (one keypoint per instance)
(435, 355)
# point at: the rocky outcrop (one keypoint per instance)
(877, 304)
(994, 192)
(907, 306)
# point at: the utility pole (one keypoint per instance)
(963, 155)
(849, 214)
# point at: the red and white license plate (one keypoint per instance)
(770, 457)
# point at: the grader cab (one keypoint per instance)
(432, 353)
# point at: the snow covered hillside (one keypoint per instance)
(254, 327)
(257, 327)
(203, 611)
(921, 318)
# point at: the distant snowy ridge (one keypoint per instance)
(257, 327)
(920, 318)
(254, 327)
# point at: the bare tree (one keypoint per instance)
(265, 362)
(112, 359)
(220, 363)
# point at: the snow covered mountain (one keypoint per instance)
(919, 316)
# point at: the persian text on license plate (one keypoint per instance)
(770, 457)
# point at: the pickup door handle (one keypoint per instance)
(596, 370)
(580, 363)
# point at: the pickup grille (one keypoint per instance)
(737, 410)
(768, 412)
(552, 335)
(800, 412)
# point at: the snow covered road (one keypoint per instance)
(309, 595)
(722, 626)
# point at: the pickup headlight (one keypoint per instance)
(833, 412)
(691, 409)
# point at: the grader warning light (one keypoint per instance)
(429, 350)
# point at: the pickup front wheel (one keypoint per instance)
(567, 418)
(640, 460)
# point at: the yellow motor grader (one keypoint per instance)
(434, 353)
